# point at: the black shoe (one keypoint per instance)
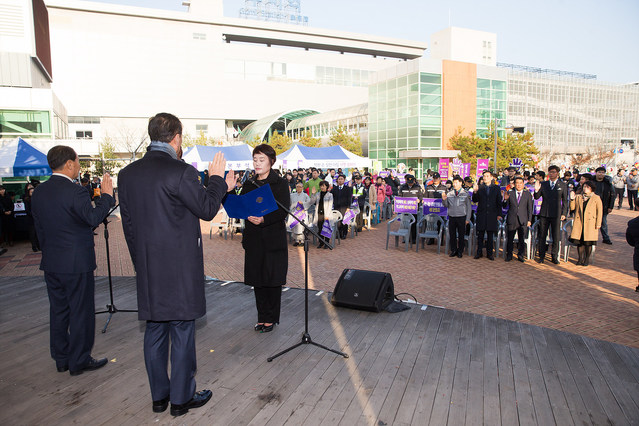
(490, 257)
(460, 254)
(93, 364)
(430, 242)
(295, 244)
(325, 247)
(320, 245)
(521, 258)
(62, 367)
(199, 399)
(508, 258)
(452, 254)
(34, 249)
(2, 251)
(540, 260)
(267, 328)
(161, 405)
(555, 261)
(479, 255)
(607, 242)
(258, 327)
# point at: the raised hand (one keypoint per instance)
(217, 166)
(231, 179)
(444, 195)
(107, 185)
(475, 187)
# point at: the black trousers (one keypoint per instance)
(554, 223)
(181, 337)
(490, 241)
(268, 301)
(632, 198)
(619, 192)
(522, 234)
(71, 317)
(341, 228)
(456, 232)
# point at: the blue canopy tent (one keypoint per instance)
(238, 157)
(19, 158)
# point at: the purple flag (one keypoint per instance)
(482, 164)
(299, 214)
(434, 205)
(444, 164)
(327, 231)
(406, 205)
(348, 217)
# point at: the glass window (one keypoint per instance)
(499, 94)
(430, 132)
(401, 131)
(401, 124)
(372, 145)
(431, 89)
(391, 144)
(392, 103)
(413, 143)
(25, 123)
(391, 134)
(482, 83)
(412, 121)
(414, 88)
(483, 103)
(402, 102)
(431, 142)
(412, 131)
(430, 100)
(431, 121)
(483, 93)
(372, 154)
(391, 84)
(401, 82)
(402, 144)
(430, 78)
(430, 110)
(413, 110)
(498, 84)
(391, 124)
(412, 78)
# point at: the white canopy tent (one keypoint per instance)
(323, 157)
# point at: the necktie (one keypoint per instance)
(456, 193)
(518, 197)
(552, 185)
(340, 187)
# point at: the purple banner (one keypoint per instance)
(406, 205)
(456, 166)
(401, 177)
(482, 164)
(465, 170)
(473, 205)
(299, 213)
(444, 164)
(327, 231)
(537, 202)
(383, 174)
(434, 205)
(348, 217)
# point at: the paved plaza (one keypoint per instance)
(597, 301)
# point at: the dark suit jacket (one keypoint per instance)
(162, 202)
(488, 208)
(632, 237)
(555, 202)
(342, 199)
(518, 214)
(64, 219)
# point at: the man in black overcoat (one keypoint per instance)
(162, 202)
(64, 220)
(342, 199)
(520, 210)
(489, 208)
(554, 208)
(632, 237)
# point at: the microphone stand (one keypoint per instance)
(306, 336)
(110, 308)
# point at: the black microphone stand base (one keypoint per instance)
(111, 309)
(306, 340)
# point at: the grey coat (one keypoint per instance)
(458, 205)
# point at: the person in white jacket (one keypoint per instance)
(299, 196)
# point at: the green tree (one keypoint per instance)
(348, 141)
(472, 147)
(308, 140)
(280, 142)
(107, 153)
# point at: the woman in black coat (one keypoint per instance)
(632, 236)
(264, 242)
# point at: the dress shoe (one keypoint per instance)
(62, 367)
(199, 399)
(490, 257)
(93, 364)
(479, 255)
(555, 261)
(607, 242)
(267, 328)
(460, 254)
(508, 258)
(161, 405)
(521, 258)
(320, 245)
(325, 247)
(295, 244)
(540, 260)
(259, 327)
(2, 251)
(452, 254)
(430, 242)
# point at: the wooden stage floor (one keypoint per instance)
(423, 366)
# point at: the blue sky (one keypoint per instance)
(586, 36)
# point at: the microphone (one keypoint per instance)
(245, 177)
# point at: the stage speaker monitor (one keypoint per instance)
(365, 290)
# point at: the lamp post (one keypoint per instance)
(495, 157)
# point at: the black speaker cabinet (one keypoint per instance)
(365, 290)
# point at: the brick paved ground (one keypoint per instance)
(597, 301)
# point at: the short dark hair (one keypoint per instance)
(586, 176)
(58, 156)
(341, 176)
(323, 183)
(266, 150)
(486, 171)
(163, 127)
(555, 168)
(600, 168)
(590, 184)
(457, 177)
(541, 173)
(519, 178)
(84, 180)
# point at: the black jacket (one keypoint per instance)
(489, 206)
(518, 214)
(432, 190)
(555, 202)
(415, 192)
(64, 219)
(606, 192)
(162, 202)
(632, 237)
(342, 198)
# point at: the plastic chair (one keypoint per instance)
(235, 225)
(433, 228)
(367, 216)
(567, 230)
(548, 237)
(337, 216)
(222, 224)
(528, 241)
(406, 221)
(468, 238)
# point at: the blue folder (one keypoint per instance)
(258, 202)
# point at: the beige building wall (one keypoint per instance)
(459, 99)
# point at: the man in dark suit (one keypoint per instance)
(488, 215)
(520, 209)
(342, 198)
(554, 208)
(632, 237)
(64, 219)
(162, 202)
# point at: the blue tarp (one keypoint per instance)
(19, 158)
